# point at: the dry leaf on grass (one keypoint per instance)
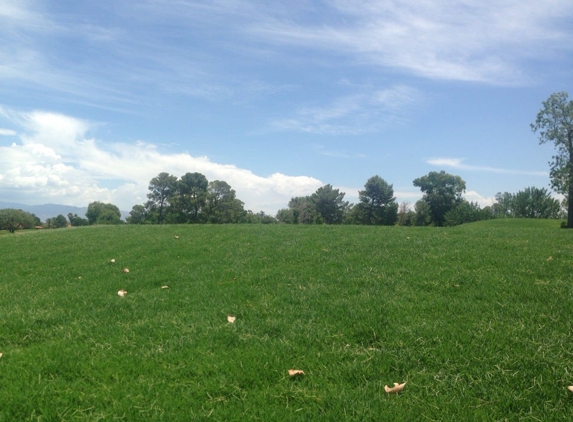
(164, 287)
(396, 389)
(122, 293)
(570, 388)
(295, 372)
(112, 261)
(550, 258)
(0, 355)
(125, 270)
(176, 237)
(231, 318)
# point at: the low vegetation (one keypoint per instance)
(476, 319)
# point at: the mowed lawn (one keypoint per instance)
(477, 319)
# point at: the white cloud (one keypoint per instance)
(457, 163)
(482, 41)
(353, 114)
(56, 163)
(473, 196)
(7, 132)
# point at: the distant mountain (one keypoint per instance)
(46, 211)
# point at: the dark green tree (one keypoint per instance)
(60, 221)
(422, 214)
(466, 212)
(329, 205)
(377, 204)
(137, 215)
(222, 205)
(554, 123)
(12, 219)
(190, 198)
(442, 192)
(101, 213)
(161, 188)
(76, 220)
(285, 215)
(535, 203)
(303, 210)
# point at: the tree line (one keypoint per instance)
(192, 199)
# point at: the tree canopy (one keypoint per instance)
(554, 123)
(377, 204)
(101, 213)
(442, 192)
(12, 219)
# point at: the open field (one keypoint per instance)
(477, 319)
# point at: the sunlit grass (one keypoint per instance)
(477, 319)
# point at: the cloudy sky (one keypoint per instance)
(275, 98)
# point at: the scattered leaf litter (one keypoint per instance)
(122, 293)
(231, 318)
(396, 389)
(295, 372)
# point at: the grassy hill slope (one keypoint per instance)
(477, 319)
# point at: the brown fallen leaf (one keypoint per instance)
(550, 258)
(125, 270)
(112, 261)
(396, 389)
(231, 318)
(176, 237)
(164, 287)
(0, 355)
(295, 372)
(570, 388)
(122, 293)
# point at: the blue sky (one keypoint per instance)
(276, 98)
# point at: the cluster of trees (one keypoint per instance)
(190, 199)
(528, 203)
(193, 199)
(12, 219)
(377, 206)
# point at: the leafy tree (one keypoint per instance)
(422, 213)
(528, 203)
(285, 215)
(535, 203)
(554, 123)
(329, 205)
(303, 210)
(76, 220)
(503, 205)
(222, 206)
(406, 216)
(60, 221)
(466, 212)
(137, 215)
(12, 219)
(377, 204)
(442, 192)
(190, 198)
(101, 213)
(161, 188)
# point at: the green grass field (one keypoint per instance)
(477, 319)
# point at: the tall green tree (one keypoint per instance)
(303, 210)
(137, 215)
(161, 188)
(76, 220)
(12, 219)
(222, 205)
(329, 205)
(190, 198)
(554, 123)
(535, 203)
(377, 204)
(442, 192)
(102, 213)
